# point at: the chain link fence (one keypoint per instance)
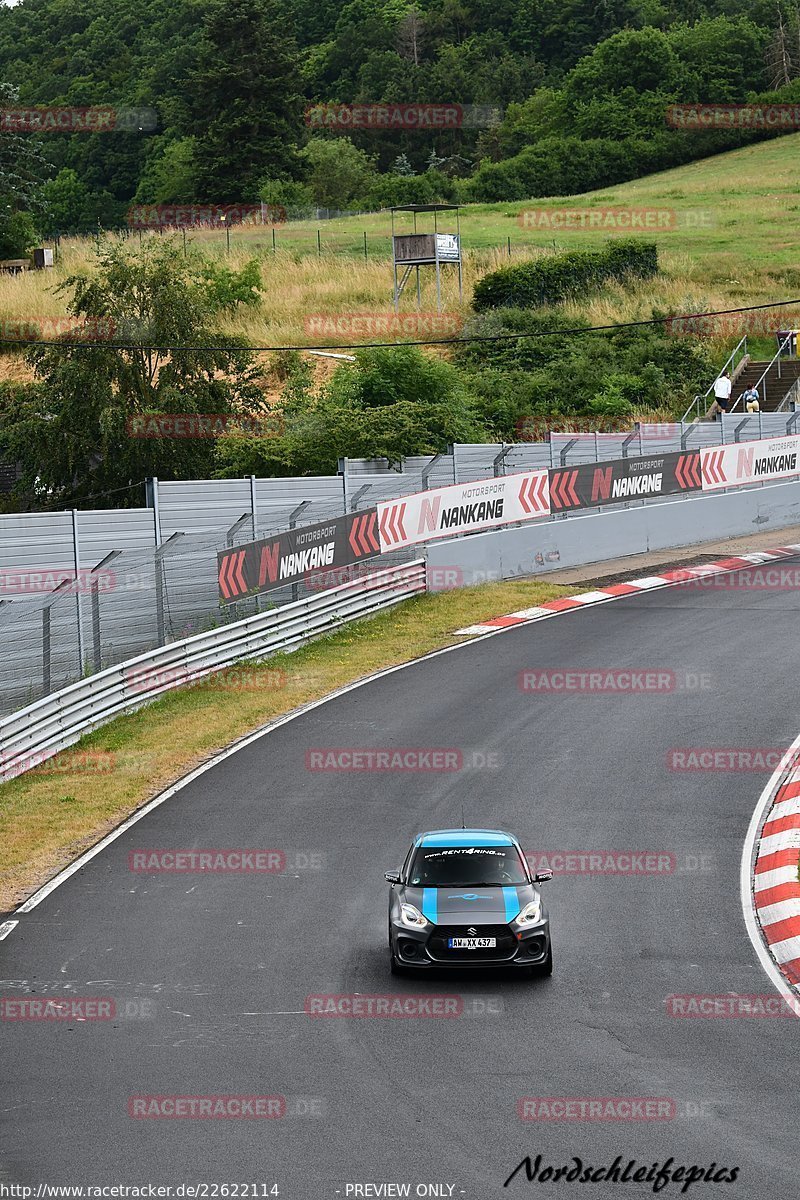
(101, 587)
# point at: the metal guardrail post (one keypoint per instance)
(630, 438)
(253, 505)
(565, 451)
(499, 460)
(295, 513)
(738, 429)
(152, 502)
(76, 550)
(365, 487)
(230, 541)
(234, 529)
(94, 592)
(426, 471)
(46, 640)
(791, 424)
(158, 556)
(46, 678)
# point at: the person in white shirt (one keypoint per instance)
(722, 395)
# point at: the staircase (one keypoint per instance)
(773, 389)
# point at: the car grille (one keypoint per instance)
(437, 943)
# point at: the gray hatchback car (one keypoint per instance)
(466, 898)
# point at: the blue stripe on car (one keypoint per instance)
(511, 900)
(466, 839)
(429, 896)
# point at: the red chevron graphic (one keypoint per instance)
(531, 493)
(223, 577)
(238, 572)
(391, 524)
(525, 500)
(362, 537)
(712, 467)
(687, 470)
(366, 537)
(232, 582)
(352, 537)
(562, 489)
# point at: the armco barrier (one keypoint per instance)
(41, 730)
(589, 537)
(490, 504)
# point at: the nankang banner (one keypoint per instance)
(750, 462)
(462, 508)
(593, 484)
(288, 557)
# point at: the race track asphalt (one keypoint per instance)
(226, 961)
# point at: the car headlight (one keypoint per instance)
(530, 914)
(411, 916)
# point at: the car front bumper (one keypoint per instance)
(422, 949)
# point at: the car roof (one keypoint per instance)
(465, 837)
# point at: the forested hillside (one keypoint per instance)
(571, 94)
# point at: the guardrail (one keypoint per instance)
(729, 365)
(36, 733)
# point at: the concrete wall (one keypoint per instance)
(545, 546)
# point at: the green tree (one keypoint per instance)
(245, 96)
(337, 171)
(67, 200)
(392, 402)
(170, 176)
(18, 235)
(22, 172)
(75, 429)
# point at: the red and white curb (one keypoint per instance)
(776, 886)
(602, 595)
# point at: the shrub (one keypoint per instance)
(562, 276)
(17, 235)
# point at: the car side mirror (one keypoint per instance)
(392, 876)
(543, 876)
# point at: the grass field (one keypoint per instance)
(733, 239)
(733, 218)
(51, 814)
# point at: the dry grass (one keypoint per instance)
(734, 240)
(50, 815)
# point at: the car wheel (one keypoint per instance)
(542, 970)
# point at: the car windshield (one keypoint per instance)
(467, 866)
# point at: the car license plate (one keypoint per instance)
(472, 943)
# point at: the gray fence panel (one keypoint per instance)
(441, 468)
(370, 466)
(475, 462)
(155, 598)
(43, 541)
